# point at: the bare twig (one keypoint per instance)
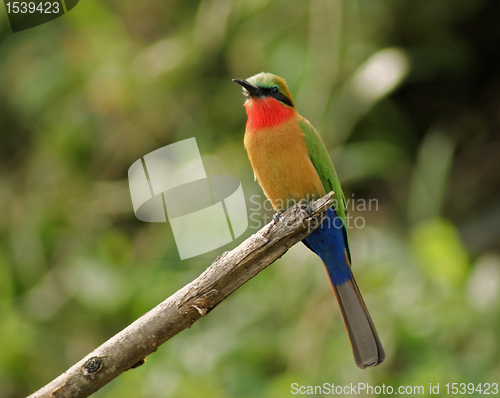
(229, 271)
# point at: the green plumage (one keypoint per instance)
(324, 166)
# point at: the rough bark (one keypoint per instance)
(227, 273)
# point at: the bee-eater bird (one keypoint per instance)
(291, 163)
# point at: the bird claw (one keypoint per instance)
(276, 217)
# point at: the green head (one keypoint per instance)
(266, 84)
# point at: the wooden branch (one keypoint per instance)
(228, 272)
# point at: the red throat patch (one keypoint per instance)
(266, 112)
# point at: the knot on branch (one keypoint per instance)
(93, 366)
(202, 303)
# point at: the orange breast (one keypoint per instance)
(282, 165)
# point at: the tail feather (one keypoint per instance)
(365, 343)
(330, 244)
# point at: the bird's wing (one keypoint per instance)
(326, 171)
(323, 165)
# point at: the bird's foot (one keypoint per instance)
(276, 217)
(309, 208)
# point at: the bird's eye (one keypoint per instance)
(275, 90)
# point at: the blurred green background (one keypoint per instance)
(407, 97)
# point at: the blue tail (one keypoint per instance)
(329, 242)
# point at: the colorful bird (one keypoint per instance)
(291, 163)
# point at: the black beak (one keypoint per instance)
(252, 90)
